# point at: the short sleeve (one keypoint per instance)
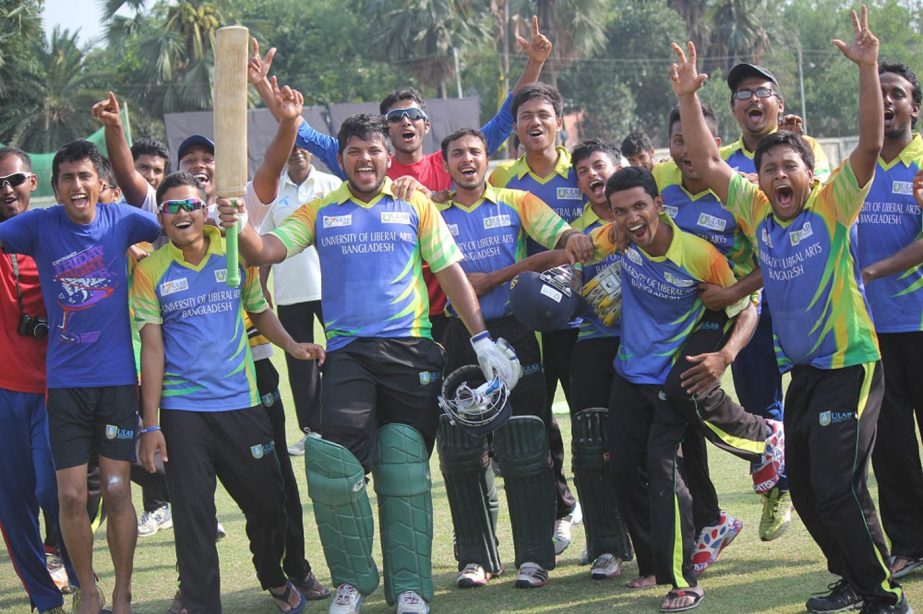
(144, 226)
(437, 246)
(842, 194)
(297, 231)
(540, 221)
(256, 210)
(143, 295)
(252, 292)
(746, 203)
(18, 234)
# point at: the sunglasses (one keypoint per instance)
(187, 204)
(761, 92)
(413, 114)
(14, 180)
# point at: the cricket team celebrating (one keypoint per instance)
(454, 302)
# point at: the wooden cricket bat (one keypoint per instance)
(230, 101)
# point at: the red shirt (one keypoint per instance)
(430, 171)
(23, 357)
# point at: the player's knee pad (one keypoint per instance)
(336, 485)
(405, 511)
(472, 495)
(605, 528)
(521, 447)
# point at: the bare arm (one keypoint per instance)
(718, 297)
(455, 284)
(711, 366)
(264, 283)
(152, 361)
(538, 49)
(134, 187)
(253, 248)
(910, 256)
(485, 282)
(270, 327)
(288, 106)
(700, 144)
(864, 53)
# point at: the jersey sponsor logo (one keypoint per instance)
(497, 221)
(633, 255)
(453, 229)
(551, 293)
(221, 275)
(826, 418)
(336, 221)
(712, 222)
(569, 194)
(395, 217)
(262, 449)
(672, 211)
(174, 285)
(797, 236)
(902, 187)
(679, 282)
(765, 237)
(114, 432)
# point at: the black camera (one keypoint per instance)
(31, 326)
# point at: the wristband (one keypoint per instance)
(149, 429)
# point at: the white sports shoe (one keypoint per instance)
(562, 528)
(347, 600)
(409, 602)
(471, 576)
(297, 448)
(151, 522)
(606, 566)
(531, 575)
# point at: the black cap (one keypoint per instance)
(743, 70)
(196, 140)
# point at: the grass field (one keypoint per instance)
(750, 577)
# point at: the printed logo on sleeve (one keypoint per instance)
(712, 222)
(902, 187)
(174, 285)
(672, 211)
(797, 236)
(569, 194)
(497, 221)
(337, 221)
(395, 217)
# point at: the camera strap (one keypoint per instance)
(15, 262)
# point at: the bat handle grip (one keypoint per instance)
(230, 241)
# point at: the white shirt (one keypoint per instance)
(297, 280)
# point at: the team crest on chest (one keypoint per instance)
(633, 255)
(395, 217)
(710, 221)
(797, 236)
(902, 187)
(497, 221)
(453, 229)
(569, 194)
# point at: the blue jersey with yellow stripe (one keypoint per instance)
(590, 326)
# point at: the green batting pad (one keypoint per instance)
(521, 447)
(472, 495)
(405, 511)
(336, 485)
(602, 521)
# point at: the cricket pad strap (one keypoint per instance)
(521, 447)
(405, 511)
(472, 495)
(605, 529)
(336, 485)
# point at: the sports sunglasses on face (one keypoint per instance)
(761, 92)
(187, 204)
(413, 114)
(14, 179)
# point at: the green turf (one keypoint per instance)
(750, 577)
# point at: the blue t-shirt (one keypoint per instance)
(890, 220)
(84, 277)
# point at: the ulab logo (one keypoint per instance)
(569, 194)
(671, 210)
(174, 285)
(395, 217)
(221, 275)
(902, 187)
(712, 222)
(335, 221)
(114, 432)
(679, 282)
(429, 377)
(453, 228)
(497, 221)
(826, 418)
(262, 449)
(797, 236)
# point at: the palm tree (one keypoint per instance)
(737, 34)
(22, 34)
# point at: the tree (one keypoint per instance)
(21, 37)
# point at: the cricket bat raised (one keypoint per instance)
(230, 101)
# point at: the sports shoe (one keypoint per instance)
(151, 522)
(712, 540)
(473, 575)
(347, 600)
(176, 605)
(409, 602)
(297, 448)
(220, 533)
(882, 606)
(840, 598)
(769, 470)
(310, 587)
(58, 573)
(562, 528)
(531, 575)
(606, 566)
(777, 514)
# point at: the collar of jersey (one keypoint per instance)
(215, 246)
(667, 173)
(587, 218)
(676, 244)
(342, 195)
(490, 194)
(910, 154)
(561, 167)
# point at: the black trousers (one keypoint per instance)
(645, 433)
(267, 381)
(591, 368)
(830, 420)
(557, 347)
(896, 458)
(237, 448)
(153, 488)
(303, 375)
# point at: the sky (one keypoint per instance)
(73, 14)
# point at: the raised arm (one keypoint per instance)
(255, 249)
(134, 187)
(288, 103)
(700, 144)
(863, 51)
